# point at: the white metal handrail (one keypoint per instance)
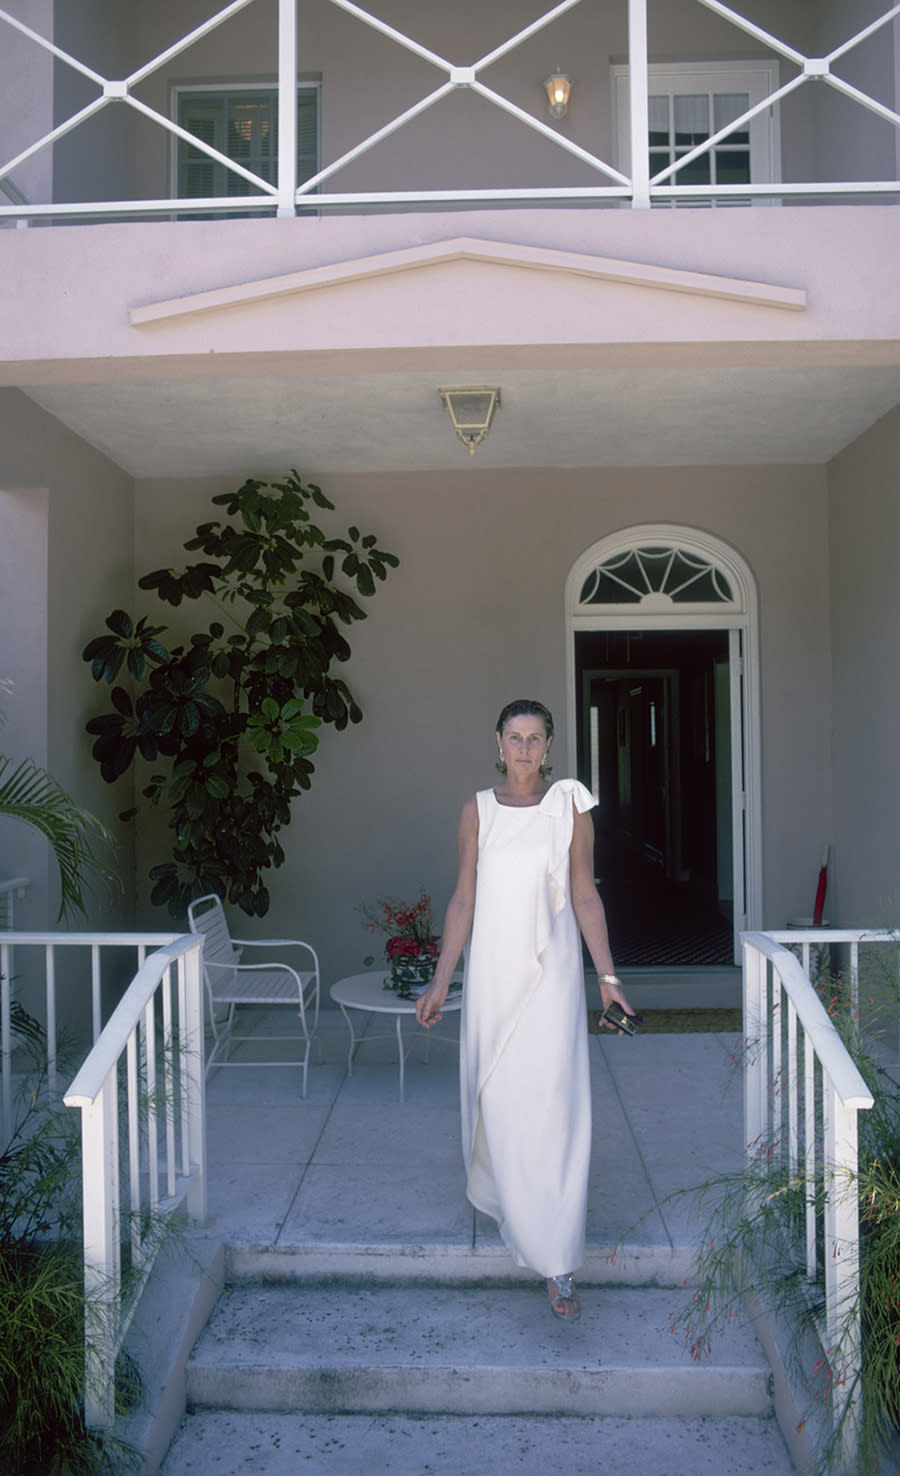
(802, 1095)
(46, 945)
(284, 196)
(156, 1035)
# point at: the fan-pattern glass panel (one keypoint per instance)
(652, 572)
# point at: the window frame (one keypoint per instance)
(224, 88)
(758, 78)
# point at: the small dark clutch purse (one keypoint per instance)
(620, 1019)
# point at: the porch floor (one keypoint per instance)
(352, 1180)
(353, 1167)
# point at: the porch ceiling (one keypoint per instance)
(550, 417)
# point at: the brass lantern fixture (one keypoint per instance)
(558, 87)
(471, 408)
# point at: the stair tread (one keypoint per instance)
(342, 1326)
(356, 1445)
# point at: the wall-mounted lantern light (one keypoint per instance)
(558, 87)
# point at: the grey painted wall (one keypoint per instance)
(70, 511)
(865, 618)
(475, 616)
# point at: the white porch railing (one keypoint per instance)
(155, 1035)
(90, 957)
(802, 1095)
(639, 189)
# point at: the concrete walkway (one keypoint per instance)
(353, 1167)
(354, 1183)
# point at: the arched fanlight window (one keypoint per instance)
(656, 576)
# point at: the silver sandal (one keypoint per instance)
(565, 1292)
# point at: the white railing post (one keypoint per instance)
(755, 1048)
(190, 978)
(829, 1127)
(95, 1092)
(843, 1318)
(639, 104)
(102, 1266)
(287, 107)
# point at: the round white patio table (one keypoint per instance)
(367, 992)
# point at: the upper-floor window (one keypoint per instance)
(242, 123)
(688, 104)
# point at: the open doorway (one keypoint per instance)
(654, 748)
(663, 709)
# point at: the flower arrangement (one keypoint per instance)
(411, 948)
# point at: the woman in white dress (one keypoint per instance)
(524, 889)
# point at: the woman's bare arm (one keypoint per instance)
(589, 909)
(458, 918)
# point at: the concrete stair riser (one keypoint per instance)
(344, 1347)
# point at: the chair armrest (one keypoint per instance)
(276, 943)
(273, 943)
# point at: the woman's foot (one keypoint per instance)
(564, 1301)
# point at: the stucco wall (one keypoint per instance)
(70, 511)
(865, 535)
(473, 617)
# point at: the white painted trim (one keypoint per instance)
(533, 258)
(742, 616)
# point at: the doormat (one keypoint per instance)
(680, 1022)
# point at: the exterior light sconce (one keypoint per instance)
(471, 408)
(558, 87)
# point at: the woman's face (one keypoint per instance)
(523, 745)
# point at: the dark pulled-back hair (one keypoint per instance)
(526, 707)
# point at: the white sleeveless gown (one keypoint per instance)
(524, 1075)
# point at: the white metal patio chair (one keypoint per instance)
(257, 985)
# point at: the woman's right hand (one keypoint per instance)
(430, 1004)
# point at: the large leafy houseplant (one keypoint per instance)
(232, 712)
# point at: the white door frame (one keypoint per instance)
(658, 611)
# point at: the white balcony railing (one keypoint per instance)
(802, 1096)
(73, 967)
(154, 1042)
(639, 189)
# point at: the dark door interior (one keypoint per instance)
(654, 744)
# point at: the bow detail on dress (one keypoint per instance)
(560, 803)
(554, 801)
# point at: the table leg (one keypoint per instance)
(352, 1041)
(402, 1055)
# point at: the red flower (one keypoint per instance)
(404, 923)
(402, 948)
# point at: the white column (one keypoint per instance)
(639, 89)
(287, 107)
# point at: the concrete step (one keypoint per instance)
(345, 1348)
(240, 1444)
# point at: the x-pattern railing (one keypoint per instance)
(284, 196)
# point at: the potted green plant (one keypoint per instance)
(228, 718)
